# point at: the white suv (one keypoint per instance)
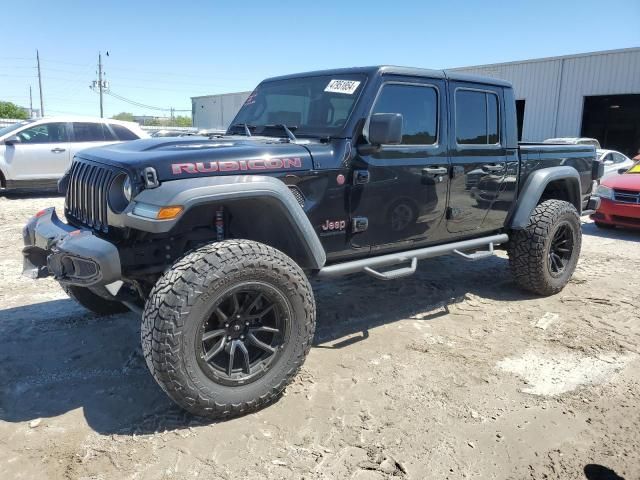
(36, 153)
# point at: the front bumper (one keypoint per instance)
(73, 256)
(618, 213)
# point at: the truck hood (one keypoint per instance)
(175, 158)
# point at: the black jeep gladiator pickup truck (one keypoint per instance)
(213, 240)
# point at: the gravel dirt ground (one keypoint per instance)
(452, 373)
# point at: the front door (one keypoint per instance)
(479, 196)
(42, 153)
(400, 191)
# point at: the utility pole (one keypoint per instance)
(40, 84)
(100, 81)
(30, 103)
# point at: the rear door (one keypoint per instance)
(90, 134)
(401, 190)
(479, 197)
(42, 153)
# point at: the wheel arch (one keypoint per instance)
(553, 183)
(259, 208)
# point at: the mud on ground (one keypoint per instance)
(452, 373)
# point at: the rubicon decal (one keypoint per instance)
(237, 165)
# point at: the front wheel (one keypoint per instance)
(227, 327)
(544, 255)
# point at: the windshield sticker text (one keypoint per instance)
(342, 86)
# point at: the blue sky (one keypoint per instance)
(162, 53)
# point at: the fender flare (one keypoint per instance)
(534, 187)
(191, 192)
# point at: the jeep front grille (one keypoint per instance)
(86, 199)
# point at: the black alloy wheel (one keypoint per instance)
(560, 249)
(243, 334)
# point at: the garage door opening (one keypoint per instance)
(614, 120)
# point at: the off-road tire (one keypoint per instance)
(174, 311)
(94, 302)
(528, 248)
(605, 226)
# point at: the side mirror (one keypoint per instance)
(385, 129)
(12, 140)
(622, 170)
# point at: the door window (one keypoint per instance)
(45, 133)
(91, 132)
(477, 118)
(123, 133)
(619, 158)
(419, 108)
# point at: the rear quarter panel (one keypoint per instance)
(580, 157)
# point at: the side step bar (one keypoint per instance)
(368, 265)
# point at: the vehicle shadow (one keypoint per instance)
(617, 233)
(19, 194)
(55, 357)
(600, 472)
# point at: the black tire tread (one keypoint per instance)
(174, 294)
(527, 246)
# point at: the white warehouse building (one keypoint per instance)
(215, 112)
(591, 95)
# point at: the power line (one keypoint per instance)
(142, 105)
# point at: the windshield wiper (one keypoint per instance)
(247, 128)
(287, 130)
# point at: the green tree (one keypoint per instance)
(125, 116)
(11, 110)
(182, 121)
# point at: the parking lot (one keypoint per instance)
(452, 373)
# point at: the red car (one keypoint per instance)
(620, 200)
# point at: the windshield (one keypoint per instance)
(14, 126)
(312, 106)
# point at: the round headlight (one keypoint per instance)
(120, 193)
(126, 189)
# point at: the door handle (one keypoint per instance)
(58, 150)
(435, 171)
(493, 168)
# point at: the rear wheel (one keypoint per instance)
(544, 255)
(227, 328)
(100, 304)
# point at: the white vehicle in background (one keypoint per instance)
(613, 161)
(36, 153)
(574, 141)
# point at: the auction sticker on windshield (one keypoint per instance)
(342, 86)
